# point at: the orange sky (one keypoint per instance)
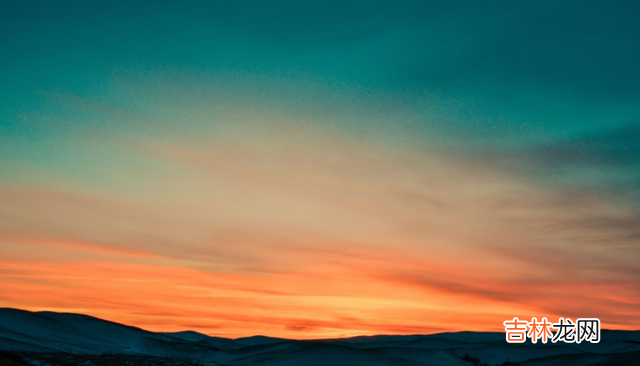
(336, 293)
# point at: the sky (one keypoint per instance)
(321, 169)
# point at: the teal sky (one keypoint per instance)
(533, 80)
(317, 119)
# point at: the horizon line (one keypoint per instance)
(273, 337)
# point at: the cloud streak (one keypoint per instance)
(384, 168)
(327, 236)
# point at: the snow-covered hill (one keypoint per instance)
(41, 338)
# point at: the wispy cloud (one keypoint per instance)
(299, 171)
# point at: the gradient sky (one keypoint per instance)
(321, 170)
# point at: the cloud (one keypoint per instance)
(341, 236)
(610, 148)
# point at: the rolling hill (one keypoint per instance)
(49, 338)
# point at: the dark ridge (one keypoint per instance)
(56, 339)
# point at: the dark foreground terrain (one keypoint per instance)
(47, 338)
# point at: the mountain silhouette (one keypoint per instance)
(50, 338)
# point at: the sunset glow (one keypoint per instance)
(305, 178)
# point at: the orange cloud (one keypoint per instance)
(325, 300)
(307, 234)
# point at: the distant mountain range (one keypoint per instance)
(48, 338)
